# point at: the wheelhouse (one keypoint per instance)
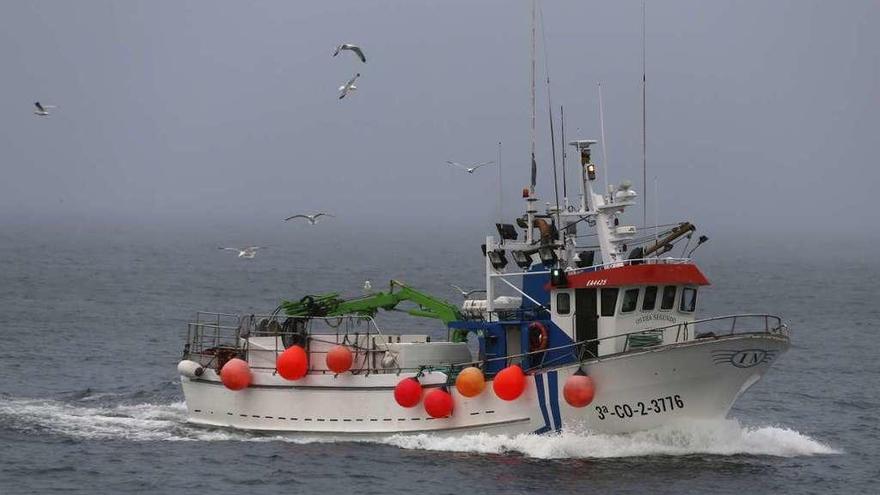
(602, 304)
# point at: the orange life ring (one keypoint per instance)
(538, 337)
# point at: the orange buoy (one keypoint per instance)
(293, 363)
(408, 392)
(470, 382)
(509, 383)
(339, 359)
(235, 374)
(438, 403)
(579, 389)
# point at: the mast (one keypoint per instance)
(562, 131)
(550, 115)
(644, 129)
(602, 129)
(534, 164)
(500, 188)
(530, 200)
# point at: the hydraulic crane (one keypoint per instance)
(332, 304)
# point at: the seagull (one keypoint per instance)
(247, 253)
(356, 49)
(42, 110)
(470, 169)
(466, 293)
(368, 287)
(313, 219)
(349, 86)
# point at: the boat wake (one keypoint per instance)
(167, 422)
(721, 437)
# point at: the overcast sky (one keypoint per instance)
(762, 116)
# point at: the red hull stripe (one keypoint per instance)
(648, 274)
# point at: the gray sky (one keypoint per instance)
(762, 115)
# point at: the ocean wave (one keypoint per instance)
(167, 422)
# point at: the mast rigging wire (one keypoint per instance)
(550, 112)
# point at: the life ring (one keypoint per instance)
(538, 337)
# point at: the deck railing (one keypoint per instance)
(215, 337)
(706, 328)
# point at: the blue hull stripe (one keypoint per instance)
(539, 385)
(553, 383)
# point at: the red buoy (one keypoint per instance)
(470, 382)
(579, 389)
(438, 403)
(293, 363)
(408, 392)
(339, 359)
(235, 374)
(509, 383)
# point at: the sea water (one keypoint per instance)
(93, 323)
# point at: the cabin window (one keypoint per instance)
(609, 301)
(630, 300)
(563, 303)
(688, 300)
(650, 298)
(668, 300)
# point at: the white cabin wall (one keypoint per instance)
(623, 323)
(564, 321)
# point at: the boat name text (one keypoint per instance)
(655, 317)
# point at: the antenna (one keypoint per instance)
(656, 207)
(550, 112)
(534, 164)
(602, 128)
(500, 188)
(564, 185)
(644, 127)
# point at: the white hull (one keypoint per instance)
(638, 390)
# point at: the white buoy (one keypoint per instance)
(190, 369)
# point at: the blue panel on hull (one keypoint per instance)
(493, 344)
(539, 388)
(493, 340)
(553, 385)
(533, 285)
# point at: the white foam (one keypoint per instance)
(723, 437)
(139, 422)
(167, 422)
(135, 422)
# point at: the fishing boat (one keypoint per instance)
(603, 339)
(572, 335)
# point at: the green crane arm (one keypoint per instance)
(332, 305)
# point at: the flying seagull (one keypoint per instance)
(466, 293)
(356, 49)
(470, 169)
(349, 86)
(42, 110)
(247, 253)
(313, 219)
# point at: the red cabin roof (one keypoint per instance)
(643, 274)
